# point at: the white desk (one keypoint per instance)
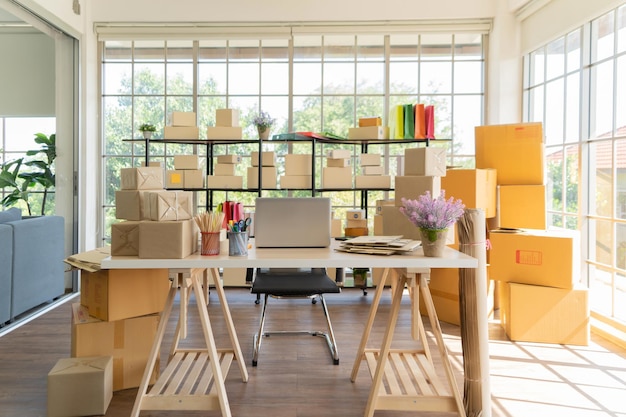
(279, 258)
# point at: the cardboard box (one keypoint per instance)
(128, 341)
(368, 132)
(444, 290)
(157, 164)
(80, 386)
(234, 277)
(370, 121)
(475, 187)
(119, 294)
(356, 231)
(193, 178)
(516, 151)
(224, 132)
(373, 170)
(337, 162)
(356, 223)
(174, 178)
(339, 154)
(298, 164)
(224, 181)
(168, 205)
(183, 118)
(181, 132)
(268, 174)
(378, 225)
(335, 177)
(336, 228)
(355, 214)
(224, 169)
(125, 238)
(537, 257)
(522, 206)
(372, 181)
(381, 203)
(377, 275)
(370, 159)
(228, 159)
(411, 187)
(425, 161)
(186, 162)
(162, 240)
(141, 178)
(295, 182)
(227, 117)
(268, 159)
(129, 204)
(533, 313)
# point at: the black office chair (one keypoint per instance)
(294, 283)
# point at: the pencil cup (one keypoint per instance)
(238, 243)
(210, 244)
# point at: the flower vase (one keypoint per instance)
(434, 241)
(147, 134)
(264, 133)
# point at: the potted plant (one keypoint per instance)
(147, 129)
(433, 216)
(263, 122)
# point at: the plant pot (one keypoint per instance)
(433, 242)
(264, 133)
(147, 134)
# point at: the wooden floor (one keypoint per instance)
(295, 375)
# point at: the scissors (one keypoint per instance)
(243, 224)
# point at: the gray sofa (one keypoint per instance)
(31, 262)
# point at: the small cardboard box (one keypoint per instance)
(227, 117)
(268, 159)
(141, 178)
(356, 231)
(267, 172)
(172, 239)
(224, 169)
(168, 205)
(118, 294)
(335, 177)
(336, 228)
(80, 386)
(370, 159)
(234, 277)
(425, 161)
(378, 225)
(193, 178)
(475, 187)
(128, 341)
(372, 181)
(370, 121)
(533, 313)
(298, 164)
(339, 154)
(183, 118)
(413, 186)
(125, 238)
(224, 181)
(356, 223)
(228, 159)
(295, 182)
(381, 203)
(224, 132)
(355, 214)
(175, 178)
(537, 257)
(181, 132)
(368, 132)
(516, 151)
(373, 170)
(337, 162)
(129, 204)
(522, 206)
(186, 162)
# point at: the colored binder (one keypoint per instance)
(420, 122)
(429, 115)
(409, 121)
(399, 122)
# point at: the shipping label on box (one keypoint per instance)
(516, 151)
(298, 164)
(335, 177)
(521, 206)
(224, 132)
(224, 181)
(224, 169)
(412, 186)
(475, 187)
(169, 205)
(295, 182)
(368, 132)
(537, 257)
(186, 162)
(129, 204)
(370, 159)
(141, 178)
(267, 172)
(370, 121)
(183, 118)
(268, 159)
(181, 132)
(339, 154)
(372, 181)
(228, 159)
(172, 239)
(175, 178)
(337, 162)
(193, 178)
(125, 238)
(425, 161)
(227, 117)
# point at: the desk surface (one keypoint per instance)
(296, 258)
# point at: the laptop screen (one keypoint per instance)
(292, 222)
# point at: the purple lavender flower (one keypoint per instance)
(432, 213)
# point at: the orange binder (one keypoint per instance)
(420, 122)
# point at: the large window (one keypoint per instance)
(308, 82)
(580, 98)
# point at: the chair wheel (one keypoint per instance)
(314, 301)
(257, 302)
(254, 363)
(335, 361)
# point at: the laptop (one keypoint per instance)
(287, 222)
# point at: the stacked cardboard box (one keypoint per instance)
(338, 171)
(182, 126)
(267, 160)
(356, 223)
(224, 173)
(226, 125)
(372, 172)
(298, 169)
(369, 128)
(186, 173)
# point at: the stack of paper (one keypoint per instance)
(379, 245)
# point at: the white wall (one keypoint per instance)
(59, 13)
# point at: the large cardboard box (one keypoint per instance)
(268, 174)
(475, 187)
(224, 181)
(171, 239)
(224, 169)
(141, 178)
(550, 258)
(412, 186)
(181, 132)
(125, 238)
(295, 182)
(227, 117)
(533, 313)
(372, 181)
(268, 159)
(129, 204)
(186, 162)
(118, 294)
(128, 341)
(335, 177)
(183, 118)
(80, 386)
(516, 151)
(224, 132)
(298, 164)
(428, 161)
(522, 206)
(168, 205)
(444, 290)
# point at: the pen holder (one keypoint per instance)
(210, 244)
(238, 243)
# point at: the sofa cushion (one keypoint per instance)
(10, 215)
